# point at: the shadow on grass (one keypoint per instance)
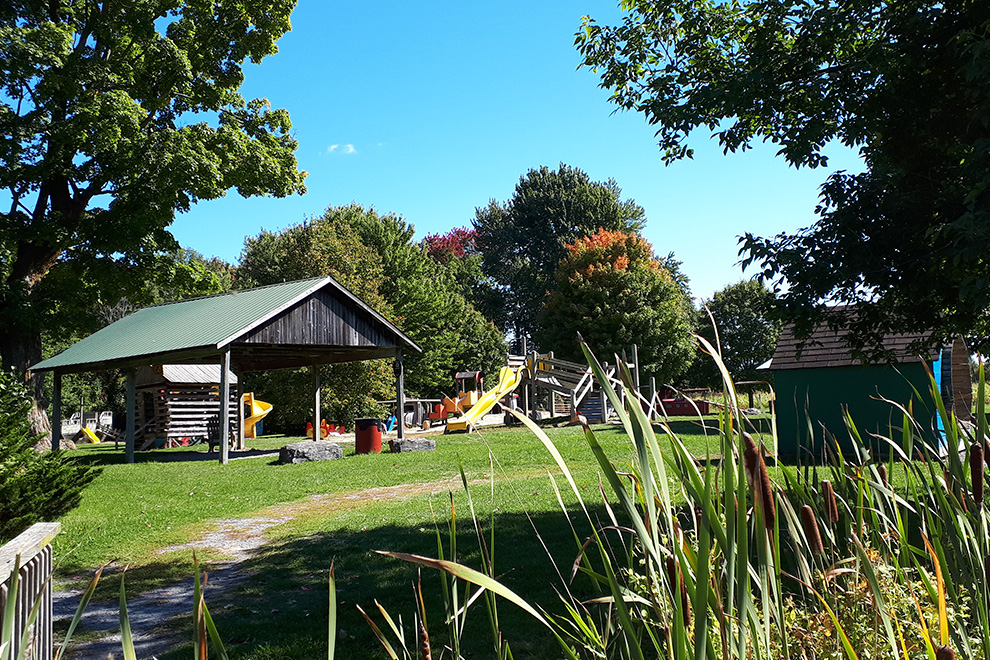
(103, 456)
(281, 611)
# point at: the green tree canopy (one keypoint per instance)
(115, 116)
(614, 291)
(327, 245)
(429, 300)
(458, 251)
(375, 256)
(747, 328)
(905, 83)
(523, 240)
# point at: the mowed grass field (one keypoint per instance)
(341, 512)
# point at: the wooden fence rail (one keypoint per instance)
(34, 548)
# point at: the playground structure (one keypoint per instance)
(567, 389)
(256, 411)
(551, 387)
(508, 380)
(326, 430)
(466, 397)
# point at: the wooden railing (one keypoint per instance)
(32, 550)
(572, 380)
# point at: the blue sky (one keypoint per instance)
(431, 109)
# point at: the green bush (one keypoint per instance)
(33, 486)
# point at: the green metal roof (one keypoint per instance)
(196, 325)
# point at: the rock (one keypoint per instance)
(752, 411)
(412, 444)
(300, 452)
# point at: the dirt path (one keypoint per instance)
(153, 614)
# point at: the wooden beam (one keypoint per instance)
(240, 413)
(56, 410)
(400, 393)
(316, 402)
(26, 545)
(225, 407)
(131, 416)
(635, 374)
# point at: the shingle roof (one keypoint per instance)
(828, 348)
(201, 326)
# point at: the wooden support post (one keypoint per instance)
(532, 391)
(131, 416)
(635, 374)
(529, 381)
(240, 414)
(56, 411)
(653, 397)
(400, 394)
(553, 397)
(316, 402)
(225, 407)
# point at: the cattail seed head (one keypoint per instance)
(945, 653)
(424, 643)
(831, 507)
(882, 471)
(759, 481)
(810, 524)
(976, 471)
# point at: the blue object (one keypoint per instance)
(390, 423)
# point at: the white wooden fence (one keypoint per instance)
(34, 582)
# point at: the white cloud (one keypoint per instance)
(342, 148)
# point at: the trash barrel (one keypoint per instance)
(368, 435)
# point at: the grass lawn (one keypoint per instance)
(130, 512)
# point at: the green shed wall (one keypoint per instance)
(826, 391)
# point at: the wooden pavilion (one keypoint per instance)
(306, 323)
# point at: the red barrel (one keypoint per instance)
(368, 435)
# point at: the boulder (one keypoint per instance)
(307, 450)
(412, 444)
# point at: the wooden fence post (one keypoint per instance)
(35, 551)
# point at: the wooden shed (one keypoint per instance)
(306, 323)
(817, 379)
(177, 401)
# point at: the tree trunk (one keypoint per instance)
(20, 348)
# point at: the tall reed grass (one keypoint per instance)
(720, 557)
(867, 556)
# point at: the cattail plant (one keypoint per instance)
(882, 471)
(759, 480)
(945, 653)
(831, 507)
(811, 531)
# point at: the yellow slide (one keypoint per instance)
(258, 411)
(508, 380)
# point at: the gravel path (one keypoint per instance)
(153, 615)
